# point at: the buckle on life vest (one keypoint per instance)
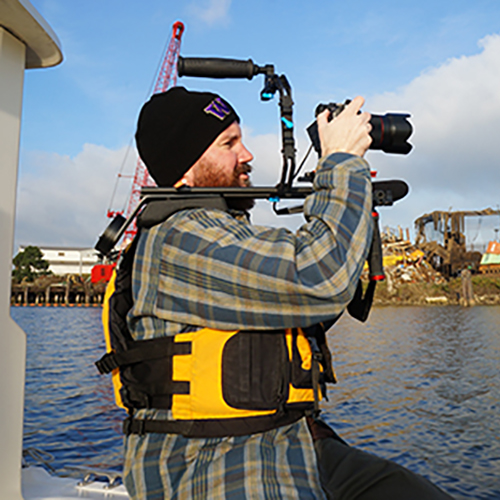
(107, 363)
(134, 426)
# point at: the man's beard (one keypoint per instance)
(241, 203)
(207, 176)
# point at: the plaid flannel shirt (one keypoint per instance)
(208, 268)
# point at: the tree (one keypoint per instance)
(29, 264)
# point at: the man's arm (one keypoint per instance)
(209, 269)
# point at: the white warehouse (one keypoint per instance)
(68, 260)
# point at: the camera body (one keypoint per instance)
(390, 132)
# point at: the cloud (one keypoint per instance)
(211, 12)
(455, 111)
(63, 200)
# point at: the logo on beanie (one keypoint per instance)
(218, 108)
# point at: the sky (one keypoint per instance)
(437, 60)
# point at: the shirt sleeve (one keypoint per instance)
(205, 268)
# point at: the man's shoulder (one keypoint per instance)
(195, 220)
(195, 227)
(200, 215)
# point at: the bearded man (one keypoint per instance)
(222, 405)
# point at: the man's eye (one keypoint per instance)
(229, 143)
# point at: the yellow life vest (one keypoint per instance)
(214, 382)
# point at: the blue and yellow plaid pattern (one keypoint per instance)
(278, 464)
(208, 268)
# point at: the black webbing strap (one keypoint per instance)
(143, 350)
(316, 361)
(140, 426)
(360, 305)
(212, 428)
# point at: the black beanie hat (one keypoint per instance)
(176, 127)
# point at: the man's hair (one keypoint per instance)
(176, 127)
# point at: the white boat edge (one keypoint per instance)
(26, 42)
(38, 484)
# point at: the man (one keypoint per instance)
(230, 305)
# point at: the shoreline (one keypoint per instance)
(484, 300)
(485, 291)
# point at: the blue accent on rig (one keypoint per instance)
(288, 123)
(274, 199)
(267, 96)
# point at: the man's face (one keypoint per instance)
(224, 163)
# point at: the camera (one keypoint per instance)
(390, 132)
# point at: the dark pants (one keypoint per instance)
(348, 474)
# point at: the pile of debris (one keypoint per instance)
(404, 262)
(442, 236)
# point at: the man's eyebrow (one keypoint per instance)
(231, 137)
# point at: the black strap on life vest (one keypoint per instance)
(214, 428)
(147, 350)
(145, 365)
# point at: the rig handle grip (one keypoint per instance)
(360, 305)
(375, 258)
(216, 67)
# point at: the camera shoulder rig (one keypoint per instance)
(393, 131)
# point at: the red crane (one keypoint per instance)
(167, 77)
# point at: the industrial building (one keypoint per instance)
(68, 260)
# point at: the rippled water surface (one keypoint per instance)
(69, 408)
(420, 386)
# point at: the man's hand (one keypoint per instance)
(349, 132)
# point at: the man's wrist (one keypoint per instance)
(344, 161)
(332, 160)
(335, 158)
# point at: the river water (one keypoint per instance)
(417, 385)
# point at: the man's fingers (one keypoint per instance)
(353, 108)
(348, 132)
(355, 105)
(322, 118)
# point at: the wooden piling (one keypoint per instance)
(467, 296)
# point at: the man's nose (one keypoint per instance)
(244, 155)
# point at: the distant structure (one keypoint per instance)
(449, 256)
(78, 279)
(68, 260)
(490, 261)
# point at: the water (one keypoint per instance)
(69, 408)
(421, 386)
(418, 385)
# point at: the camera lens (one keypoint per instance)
(390, 133)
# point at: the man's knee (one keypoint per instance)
(348, 473)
